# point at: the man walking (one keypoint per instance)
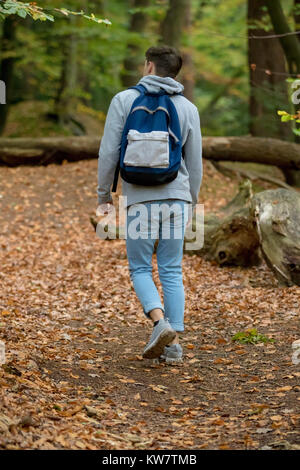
(163, 204)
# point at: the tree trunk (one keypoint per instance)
(7, 65)
(290, 44)
(133, 58)
(297, 28)
(65, 98)
(20, 151)
(291, 47)
(188, 73)
(268, 90)
(176, 21)
(297, 16)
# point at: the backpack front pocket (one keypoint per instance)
(147, 149)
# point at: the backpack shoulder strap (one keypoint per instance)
(142, 90)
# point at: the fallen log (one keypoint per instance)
(252, 175)
(266, 223)
(253, 149)
(231, 239)
(45, 150)
(277, 215)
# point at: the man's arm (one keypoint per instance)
(109, 149)
(193, 157)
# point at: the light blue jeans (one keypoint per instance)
(166, 221)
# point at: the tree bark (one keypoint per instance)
(277, 214)
(45, 150)
(176, 22)
(268, 90)
(290, 44)
(20, 151)
(7, 66)
(297, 16)
(253, 149)
(188, 74)
(291, 47)
(266, 223)
(231, 239)
(64, 102)
(133, 60)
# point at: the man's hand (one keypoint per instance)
(191, 212)
(104, 209)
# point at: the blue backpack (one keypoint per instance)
(151, 145)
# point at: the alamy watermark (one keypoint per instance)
(296, 352)
(2, 92)
(2, 353)
(296, 94)
(165, 220)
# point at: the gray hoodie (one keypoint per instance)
(186, 185)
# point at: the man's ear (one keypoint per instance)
(151, 68)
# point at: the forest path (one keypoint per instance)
(74, 333)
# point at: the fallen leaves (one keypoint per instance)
(159, 388)
(73, 330)
(5, 423)
(286, 388)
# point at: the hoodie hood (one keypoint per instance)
(154, 84)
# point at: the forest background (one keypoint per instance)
(61, 75)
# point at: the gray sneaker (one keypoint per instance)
(162, 335)
(172, 354)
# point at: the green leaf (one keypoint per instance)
(251, 336)
(49, 17)
(22, 13)
(11, 10)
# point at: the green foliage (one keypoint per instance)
(154, 11)
(90, 17)
(217, 42)
(15, 7)
(252, 337)
(286, 117)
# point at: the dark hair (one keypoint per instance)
(166, 59)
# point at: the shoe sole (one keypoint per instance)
(173, 360)
(169, 361)
(157, 348)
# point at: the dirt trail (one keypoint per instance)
(74, 331)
